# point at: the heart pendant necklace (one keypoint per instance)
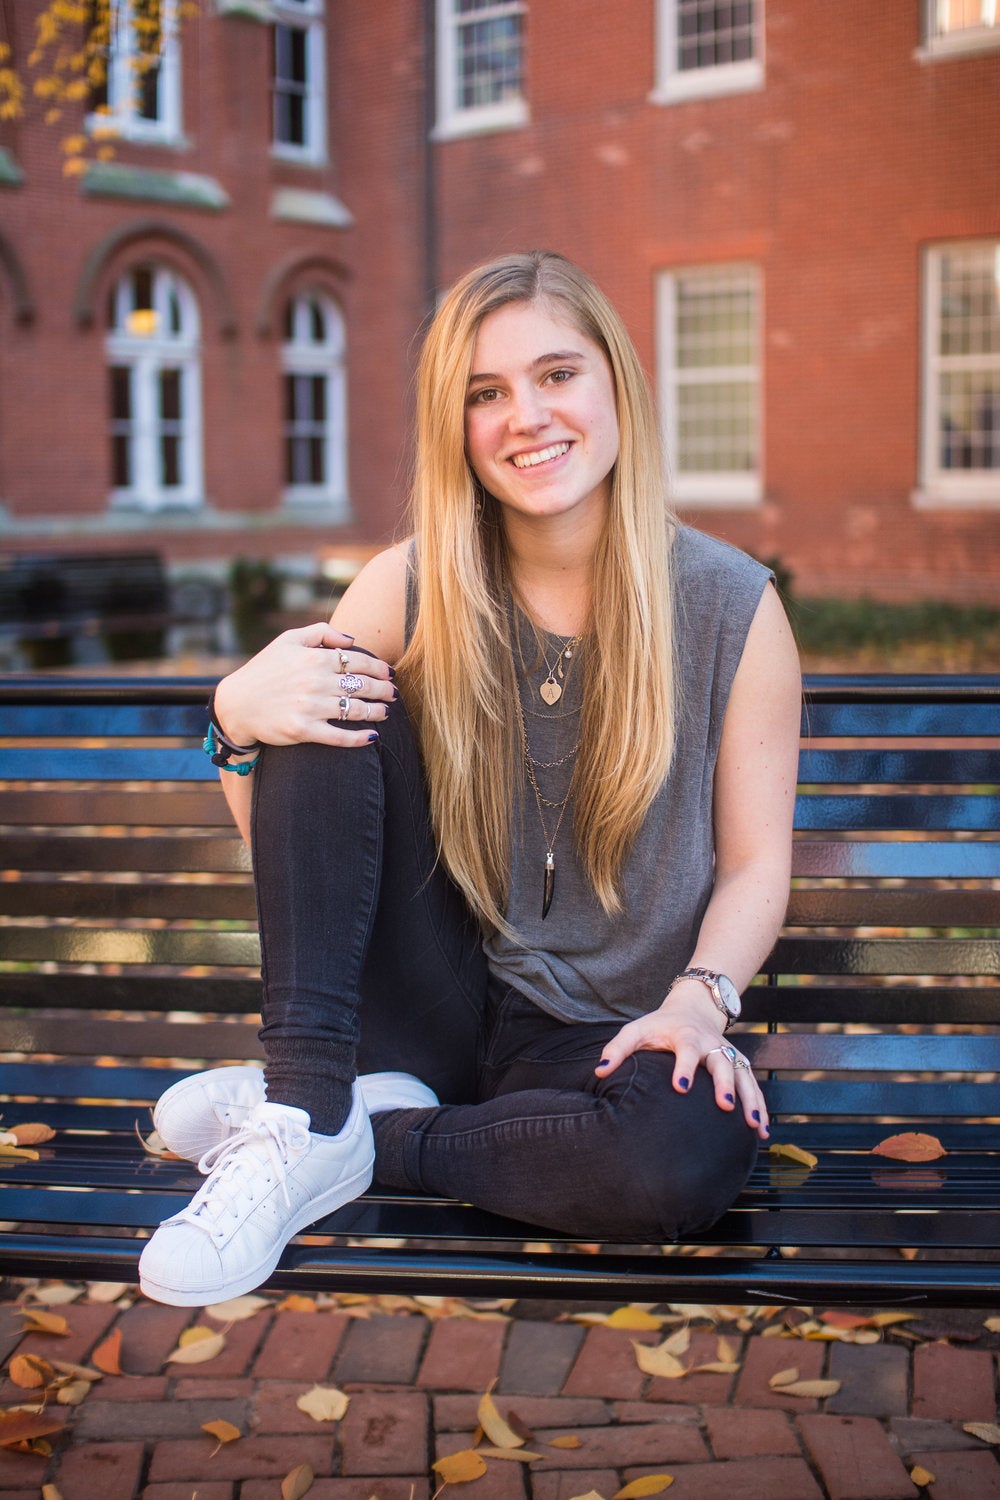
(551, 689)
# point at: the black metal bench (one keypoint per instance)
(128, 957)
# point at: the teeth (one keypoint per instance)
(529, 460)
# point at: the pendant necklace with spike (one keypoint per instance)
(548, 888)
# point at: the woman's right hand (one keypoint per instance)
(291, 691)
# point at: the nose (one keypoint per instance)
(528, 411)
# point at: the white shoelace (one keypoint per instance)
(232, 1178)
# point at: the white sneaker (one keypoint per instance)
(266, 1183)
(199, 1113)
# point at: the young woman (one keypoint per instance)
(521, 828)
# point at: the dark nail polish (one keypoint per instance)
(348, 637)
(756, 1115)
(684, 1083)
(605, 1062)
(395, 694)
(767, 1132)
(372, 737)
(392, 674)
(730, 1099)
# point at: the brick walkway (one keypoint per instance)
(415, 1379)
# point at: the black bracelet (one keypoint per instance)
(225, 748)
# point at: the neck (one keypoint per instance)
(552, 574)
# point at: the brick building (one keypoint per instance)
(207, 342)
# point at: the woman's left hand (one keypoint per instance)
(682, 1026)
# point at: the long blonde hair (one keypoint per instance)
(458, 671)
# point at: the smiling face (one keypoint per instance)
(541, 424)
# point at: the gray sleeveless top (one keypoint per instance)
(578, 963)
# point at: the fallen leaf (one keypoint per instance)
(459, 1468)
(783, 1378)
(224, 1431)
(56, 1295)
(39, 1321)
(993, 1324)
(24, 1426)
(911, 1145)
(658, 1360)
(297, 1303)
(297, 1483)
(717, 1367)
(49, 1492)
(677, 1343)
(886, 1319)
(30, 1372)
(590, 1495)
(324, 1403)
(236, 1309)
(197, 1351)
(636, 1318)
(107, 1356)
(922, 1477)
(839, 1319)
(519, 1455)
(989, 1432)
(18, 1153)
(725, 1352)
(569, 1441)
(76, 1372)
(494, 1426)
(816, 1388)
(106, 1291)
(73, 1392)
(154, 1145)
(782, 1152)
(650, 1484)
(32, 1134)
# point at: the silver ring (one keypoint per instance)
(350, 683)
(729, 1053)
(739, 1061)
(344, 705)
(368, 708)
(343, 661)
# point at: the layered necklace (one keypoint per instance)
(550, 691)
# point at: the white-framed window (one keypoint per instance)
(960, 447)
(140, 94)
(154, 390)
(707, 47)
(709, 382)
(298, 80)
(480, 66)
(953, 28)
(314, 381)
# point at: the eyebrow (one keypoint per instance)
(555, 357)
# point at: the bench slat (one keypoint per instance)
(852, 767)
(169, 808)
(922, 812)
(897, 720)
(121, 900)
(921, 859)
(204, 853)
(98, 763)
(94, 945)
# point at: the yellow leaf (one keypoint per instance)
(993, 1324)
(17, 1153)
(154, 1145)
(297, 1483)
(791, 1153)
(30, 1372)
(911, 1145)
(224, 1431)
(885, 1319)
(32, 1134)
(77, 1372)
(494, 1426)
(678, 1343)
(782, 1378)
(49, 1492)
(650, 1484)
(197, 1334)
(725, 1352)
(658, 1361)
(922, 1477)
(324, 1403)
(37, 1321)
(235, 1310)
(569, 1441)
(197, 1351)
(817, 1388)
(590, 1495)
(73, 1392)
(58, 1295)
(75, 166)
(106, 1291)
(107, 1356)
(636, 1318)
(989, 1432)
(459, 1468)
(718, 1367)
(297, 1303)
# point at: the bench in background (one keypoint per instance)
(128, 958)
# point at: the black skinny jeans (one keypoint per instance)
(366, 942)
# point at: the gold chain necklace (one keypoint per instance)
(551, 690)
(550, 858)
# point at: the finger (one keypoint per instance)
(686, 1059)
(358, 710)
(752, 1101)
(722, 1074)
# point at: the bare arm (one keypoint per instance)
(289, 692)
(754, 800)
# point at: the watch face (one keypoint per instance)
(730, 996)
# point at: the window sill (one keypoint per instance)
(105, 179)
(716, 492)
(972, 494)
(513, 115)
(708, 83)
(299, 156)
(973, 44)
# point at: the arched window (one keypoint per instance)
(315, 400)
(154, 390)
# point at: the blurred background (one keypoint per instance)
(223, 224)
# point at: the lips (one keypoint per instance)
(540, 456)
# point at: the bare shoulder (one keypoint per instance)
(373, 609)
(769, 670)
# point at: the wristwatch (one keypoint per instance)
(721, 988)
